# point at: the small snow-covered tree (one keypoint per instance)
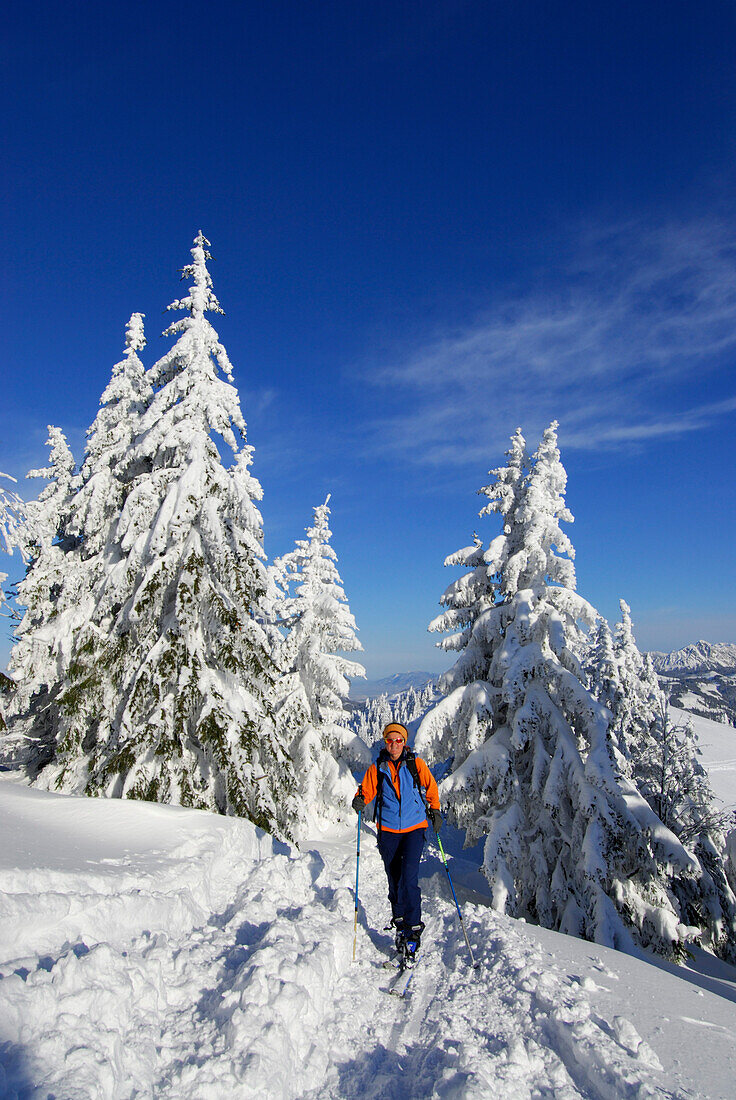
(667, 770)
(462, 722)
(184, 673)
(672, 779)
(48, 515)
(662, 758)
(92, 518)
(39, 657)
(638, 698)
(570, 842)
(370, 719)
(12, 512)
(315, 677)
(108, 467)
(603, 680)
(601, 668)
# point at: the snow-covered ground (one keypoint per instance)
(718, 747)
(147, 951)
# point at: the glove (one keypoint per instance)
(358, 803)
(435, 817)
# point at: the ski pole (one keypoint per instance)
(357, 870)
(457, 906)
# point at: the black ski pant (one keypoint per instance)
(401, 853)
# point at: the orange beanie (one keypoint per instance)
(396, 727)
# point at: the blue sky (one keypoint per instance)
(432, 221)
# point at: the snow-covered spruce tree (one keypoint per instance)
(91, 509)
(370, 719)
(673, 781)
(570, 843)
(315, 676)
(638, 701)
(669, 774)
(40, 655)
(92, 517)
(410, 703)
(662, 759)
(463, 720)
(109, 464)
(183, 713)
(604, 683)
(12, 512)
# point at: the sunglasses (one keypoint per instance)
(395, 741)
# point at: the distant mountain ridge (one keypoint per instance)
(700, 678)
(391, 685)
(699, 657)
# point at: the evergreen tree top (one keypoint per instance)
(135, 339)
(198, 394)
(12, 511)
(127, 382)
(61, 462)
(625, 629)
(503, 491)
(201, 298)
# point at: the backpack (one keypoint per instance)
(411, 763)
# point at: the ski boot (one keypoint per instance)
(411, 942)
(396, 924)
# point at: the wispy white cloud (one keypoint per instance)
(615, 344)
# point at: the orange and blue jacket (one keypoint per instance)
(402, 807)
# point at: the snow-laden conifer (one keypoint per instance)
(41, 651)
(604, 683)
(601, 667)
(661, 756)
(12, 512)
(668, 771)
(639, 697)
(370, 719)
(462, 721)
(570, 842)
(94, 509)
(182, 701)
(106, 474)
(315, 676)
(84, 509)
(48, 515)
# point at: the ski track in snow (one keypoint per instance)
(260, 999)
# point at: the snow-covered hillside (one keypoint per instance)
(718, 747)
(154, 951)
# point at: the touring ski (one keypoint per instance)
(399, 985)
(394, 961)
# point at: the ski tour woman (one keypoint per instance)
(406, 795)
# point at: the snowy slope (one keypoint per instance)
(718, 747)
(150, 951)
